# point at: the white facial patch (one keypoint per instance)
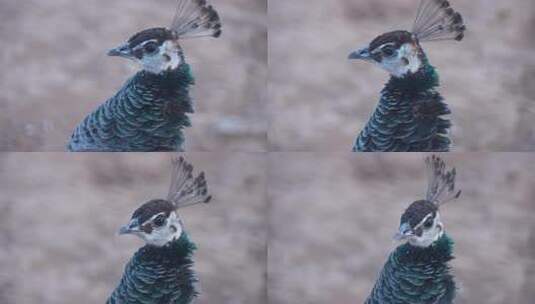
(167, 58)
(159, 236)
(429, 235)
(405, 60)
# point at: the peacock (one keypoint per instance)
(161, 271)
(410, 114)
(150, 111)
(417, 272)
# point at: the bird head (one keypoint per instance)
(157, 221)
(420, 224)
(399, 52)
(158, 50)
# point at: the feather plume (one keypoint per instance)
(185, 190)
(436, 20)
(441, 187)
(195, 18)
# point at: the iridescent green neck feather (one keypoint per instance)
(159, 275)
(416, 275)
(409, 116)
(148, 114)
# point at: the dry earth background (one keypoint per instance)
(55, 70)
(332, 218)
(60, 213)
(319, 100)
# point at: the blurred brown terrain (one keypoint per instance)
(319, 100)
(55, 70)
(59, 217)
(333, 216)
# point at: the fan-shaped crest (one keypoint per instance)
(441, 187)
(185, 190)
(195, 18)
(436, 20)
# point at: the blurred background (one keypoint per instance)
(56, 70)
(59, 217)
(319, 100)
(333, 216)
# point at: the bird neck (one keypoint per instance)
(158, 104)
(159, 275)
(172, 80)
(441, 251)
(409, 116)
(424, 79)
(179, 251)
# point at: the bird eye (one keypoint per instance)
(150, 47)
(159, 220)
(388, 51)
(428, 223)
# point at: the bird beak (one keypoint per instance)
(121, 51)
(404, 232)
(362, 54)
(125, 230)
(129, 228)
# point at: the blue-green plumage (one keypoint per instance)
(159, 275)
(408, 117)
(418, 271)
(161, 271)
(416, 275)
(149, 113)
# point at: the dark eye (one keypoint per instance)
(159, 220)
(150, 47)
(388, 51)
(428, 223)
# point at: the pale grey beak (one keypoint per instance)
(405, 231)
(125, 230)
(121, 51)
(129, 228)
(362, 54)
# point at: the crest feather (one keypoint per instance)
(441, 188)
(195, 18)
(436, 20)
(185, 190)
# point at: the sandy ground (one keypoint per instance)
(55, 70)
(319, 100)
(332, 218)
(59, 217)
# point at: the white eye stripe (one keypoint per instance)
(149, 41)
(387, 44)
(142, 45)
(153, 217)
(379, 49)
(421, 223)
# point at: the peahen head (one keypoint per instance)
(157, 221)
(420, 224)
(158, 50)
(400, 53)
